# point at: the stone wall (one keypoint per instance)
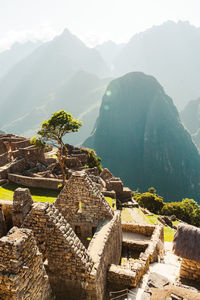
(129, 273)
(32, 153)
(105, 249)
(22, 273)
(3, 159)
(138, 228)
(22, 204)
(69, 265)
(83, 205)
(190, 269)
(3, 227)
(7, 208)
(16, 166)
(119, 278)
(3, 148)
(47, 183)
(16, 144)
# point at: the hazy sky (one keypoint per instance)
(93, 21)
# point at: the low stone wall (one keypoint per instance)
(47, 183)
(129, 273)
(22, 273)
(3, 148)
(138, 228)
(118, 277)
(3, 159)
(32, 153)
(190, 269)
(16, 166)
(105, 249)
(19, 144)
(83, 158)
(7, 208)
(15, 153)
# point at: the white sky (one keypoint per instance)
(93, 21)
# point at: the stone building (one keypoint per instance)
(83, 205)
(73, 247)
(186, 244)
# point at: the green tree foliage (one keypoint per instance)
(37, 142)
(152, 202)
(152, 190)
(187, 210)
(53, 131)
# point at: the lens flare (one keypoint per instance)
(108, 93)
(106, 107)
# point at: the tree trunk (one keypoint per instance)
(61, 161)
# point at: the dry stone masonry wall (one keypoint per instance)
(22, 273)
(190, 269)
(22, 204)
(69, 264)
(83, 205)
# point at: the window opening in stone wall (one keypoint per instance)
(78, 230)
(94, 230)
(80, 207)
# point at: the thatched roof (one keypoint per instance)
(186, 242)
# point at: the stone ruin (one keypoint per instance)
(26, 165)
(71, 249)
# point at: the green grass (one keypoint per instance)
(111, 202)
(126, 216)
(168, 231)
(38, 194)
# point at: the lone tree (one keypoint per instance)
(53, 131)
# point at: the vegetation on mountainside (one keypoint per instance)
(38, 194)
(53, 132)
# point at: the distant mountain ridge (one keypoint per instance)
(33, 87)
(140, 138)
(169, 52)
(15, 54)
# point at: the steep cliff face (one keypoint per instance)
(140, 138)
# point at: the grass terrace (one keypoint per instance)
(38, 194)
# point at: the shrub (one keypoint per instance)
(152, 202)
(187, 210)
(93, 159)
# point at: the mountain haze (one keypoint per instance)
(15, 54)
(140, 138)
(190, 117)
(40, 84)
(80, 95)
(170, 52)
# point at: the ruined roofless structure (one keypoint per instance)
(73, 247)
(186, 244)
